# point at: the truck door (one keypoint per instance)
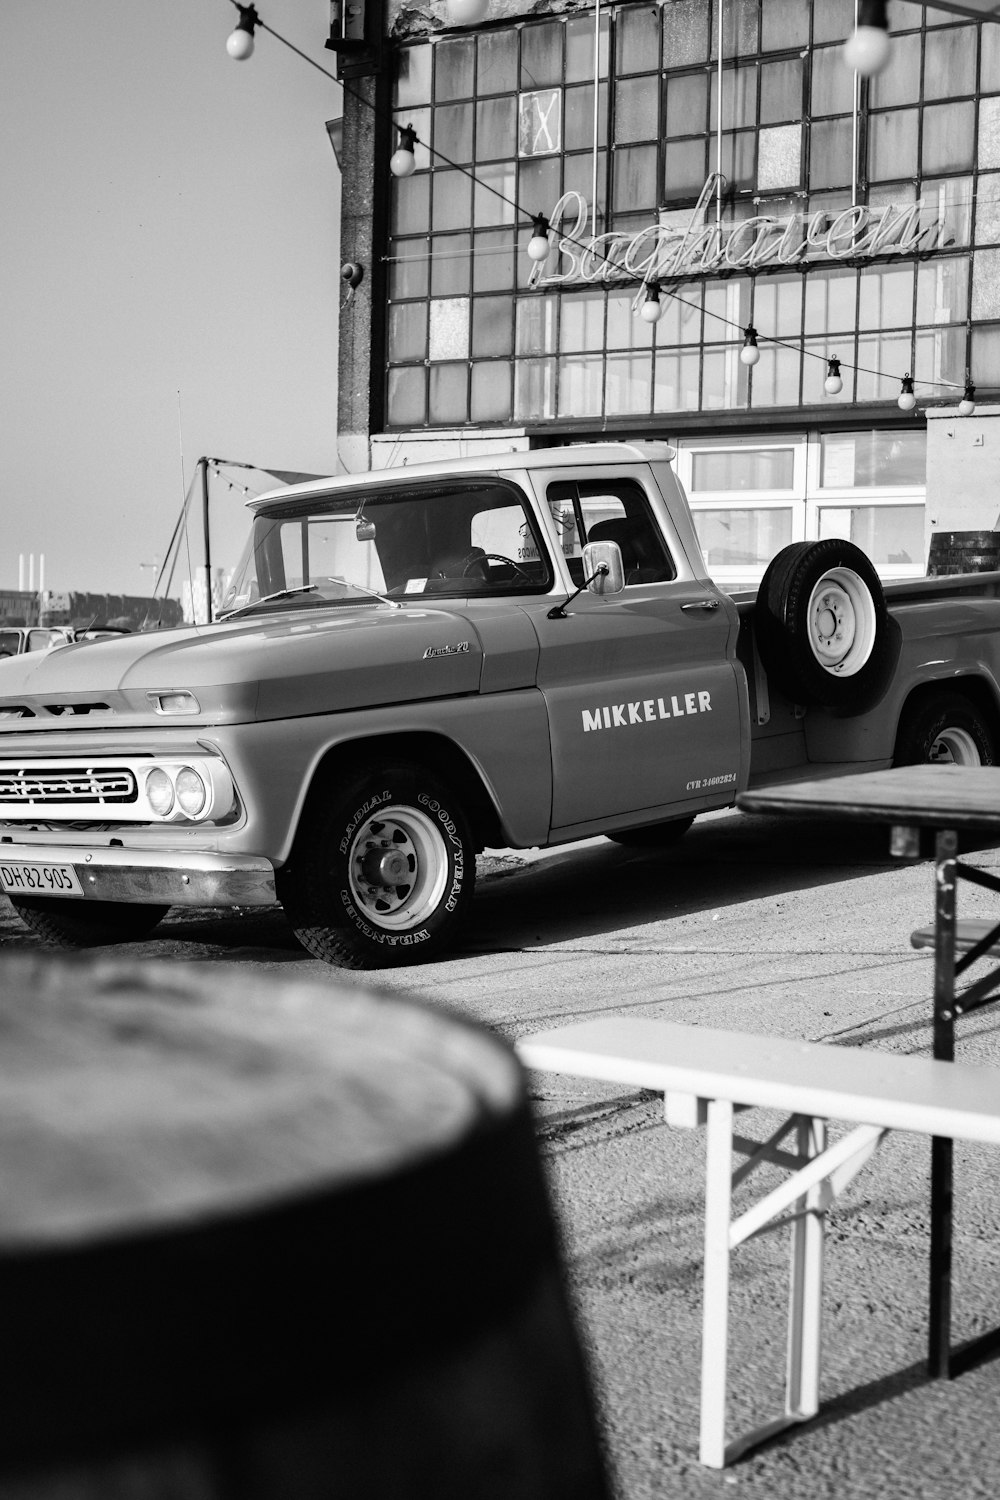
(645, 701)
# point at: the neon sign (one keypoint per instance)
(668, 251)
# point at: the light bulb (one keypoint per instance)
(239, 43)
(652, 308)
(538, 245)
(833, 385)
(906, 400)
(867, 51)
(403, 162)
(749, 354)
(467, 12)
(967, 405)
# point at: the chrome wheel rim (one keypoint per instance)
(397, 868)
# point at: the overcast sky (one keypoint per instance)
(169, 222)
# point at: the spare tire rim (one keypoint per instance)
(397, 868)
(954, 747)
(841, 622)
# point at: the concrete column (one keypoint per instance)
(363, 229)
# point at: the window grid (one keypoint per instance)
(433, 210)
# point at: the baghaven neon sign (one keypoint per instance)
(677, 251)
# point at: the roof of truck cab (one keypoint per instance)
(569, 455)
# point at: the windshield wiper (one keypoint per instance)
(309, 588)
(303, 588)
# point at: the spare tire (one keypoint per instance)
(822, 627)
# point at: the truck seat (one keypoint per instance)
(641, 557)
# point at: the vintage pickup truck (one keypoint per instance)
(416, 664)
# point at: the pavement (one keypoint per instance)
(749, 926)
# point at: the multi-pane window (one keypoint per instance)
(632, 116)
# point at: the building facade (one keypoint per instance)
(718, 159)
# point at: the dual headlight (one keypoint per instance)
(178, 792)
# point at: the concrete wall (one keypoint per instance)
(963, 471)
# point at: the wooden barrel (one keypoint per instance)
(266, 1240)
(963, 552)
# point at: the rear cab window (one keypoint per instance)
(612, 511)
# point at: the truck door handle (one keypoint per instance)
(702, 604)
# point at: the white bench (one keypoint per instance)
(705, 1075)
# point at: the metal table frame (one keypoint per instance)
(948, 800)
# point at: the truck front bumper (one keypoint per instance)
(149, 878)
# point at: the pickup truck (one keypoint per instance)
(416, 664)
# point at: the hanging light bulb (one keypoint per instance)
(239, 43)
(402, 162)
(467, 12)
(906, 400)
(833, 385)
(749, 354)
(967, 405)
(867, 51)
(652, 309)
(538, 245)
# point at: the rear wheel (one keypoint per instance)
(655, 836)
(62, 923)
(945, 729)
(383, 871)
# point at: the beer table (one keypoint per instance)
(947, 801)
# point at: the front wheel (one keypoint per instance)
(383, 871)
(60, 922)
(945, 729)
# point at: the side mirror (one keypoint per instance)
(605, 560)
(365, 530)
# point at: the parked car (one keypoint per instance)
(16, 639)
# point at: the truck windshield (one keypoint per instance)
(351, 547)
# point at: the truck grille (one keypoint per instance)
(109, 784)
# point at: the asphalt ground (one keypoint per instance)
(751, 924)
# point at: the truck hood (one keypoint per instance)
(306, 662)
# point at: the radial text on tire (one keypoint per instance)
(822, 627)
(383, 870)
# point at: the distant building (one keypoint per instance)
(723, 155)
(31, 607)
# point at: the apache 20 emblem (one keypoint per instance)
(457, 650)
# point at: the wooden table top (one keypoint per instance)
(919, 796)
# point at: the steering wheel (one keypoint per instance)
(496, 557)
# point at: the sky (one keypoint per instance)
(169, 276)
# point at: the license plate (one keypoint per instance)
(39, 880)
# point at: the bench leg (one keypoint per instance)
(818, 1174)
(715, 1305)
(806, 1286)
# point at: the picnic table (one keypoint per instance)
(947, 801)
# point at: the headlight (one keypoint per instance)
(160, 791)
(191, 791)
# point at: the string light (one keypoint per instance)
(403, 162)
(539, 244)
(867, 50)
(652, 309)
(749, 354)
(239, 43)
(872, 18)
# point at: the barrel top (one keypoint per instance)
(154, 1093)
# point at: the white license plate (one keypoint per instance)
(39, 880)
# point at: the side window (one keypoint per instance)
(39, 640)
(615, 511)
